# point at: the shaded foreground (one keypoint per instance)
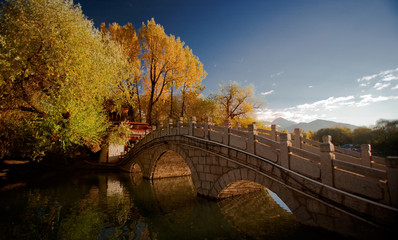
(103, 205)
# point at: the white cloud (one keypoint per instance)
(389, 77)
(267, 93)
(368, 99)
(326, 108)
(379, 81)
(327, 104)
(380, 85)
(341, 107)
(306, 112)
(266, 114)
(276, 74)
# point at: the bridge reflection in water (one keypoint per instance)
(175, 211)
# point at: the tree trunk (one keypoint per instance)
(138, 101)
(182, 101)
(171, 101)
(150, 105)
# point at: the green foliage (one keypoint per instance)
(56, 70)
(119, 134)
(362, 135)
(383, 137)
(340, 136)
(86, 223)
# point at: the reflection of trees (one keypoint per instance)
(111, 206)
(77, 209)
(84, 221)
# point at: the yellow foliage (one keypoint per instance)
(235, 102)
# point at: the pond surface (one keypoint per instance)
(104, 205)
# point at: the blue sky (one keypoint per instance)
(329, 59)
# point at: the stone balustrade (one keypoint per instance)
(358, 173)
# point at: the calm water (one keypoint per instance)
(98, 205)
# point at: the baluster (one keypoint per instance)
(228, 125)
(285, 143)
(251, 141)
(170, 127)
(392, 179)
(179, 125)
(274, 135)
(192, 122)
(366, 154)
(298, 134)
(209, 122)
(327, 156)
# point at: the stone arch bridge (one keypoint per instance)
(355, 194)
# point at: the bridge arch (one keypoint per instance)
(165, 160)
(135, 168)
(243, 180)
(169, 163)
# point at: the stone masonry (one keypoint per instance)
(320, 186)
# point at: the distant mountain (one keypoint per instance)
(283, 123)
(318, 124)
(313, 126)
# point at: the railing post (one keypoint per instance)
(192, 122)
(327, 156)
(274, 135)
(284, 149)
(298, 134)
(179, 124)
(251, 141)
(207, 124)
(228, 125)
(160, 126)
(169, 126)
(238, 126)
(392, 179)
(153, 131)
(366, 155)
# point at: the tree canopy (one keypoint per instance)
(236, 102)
(56, 71)
(60, 77)
(383, 137)
(165, 66)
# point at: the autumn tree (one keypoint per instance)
(192, 76)
(55, 73)
(166, 65)
(236, 102)
(128, 93)
(159, 57)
